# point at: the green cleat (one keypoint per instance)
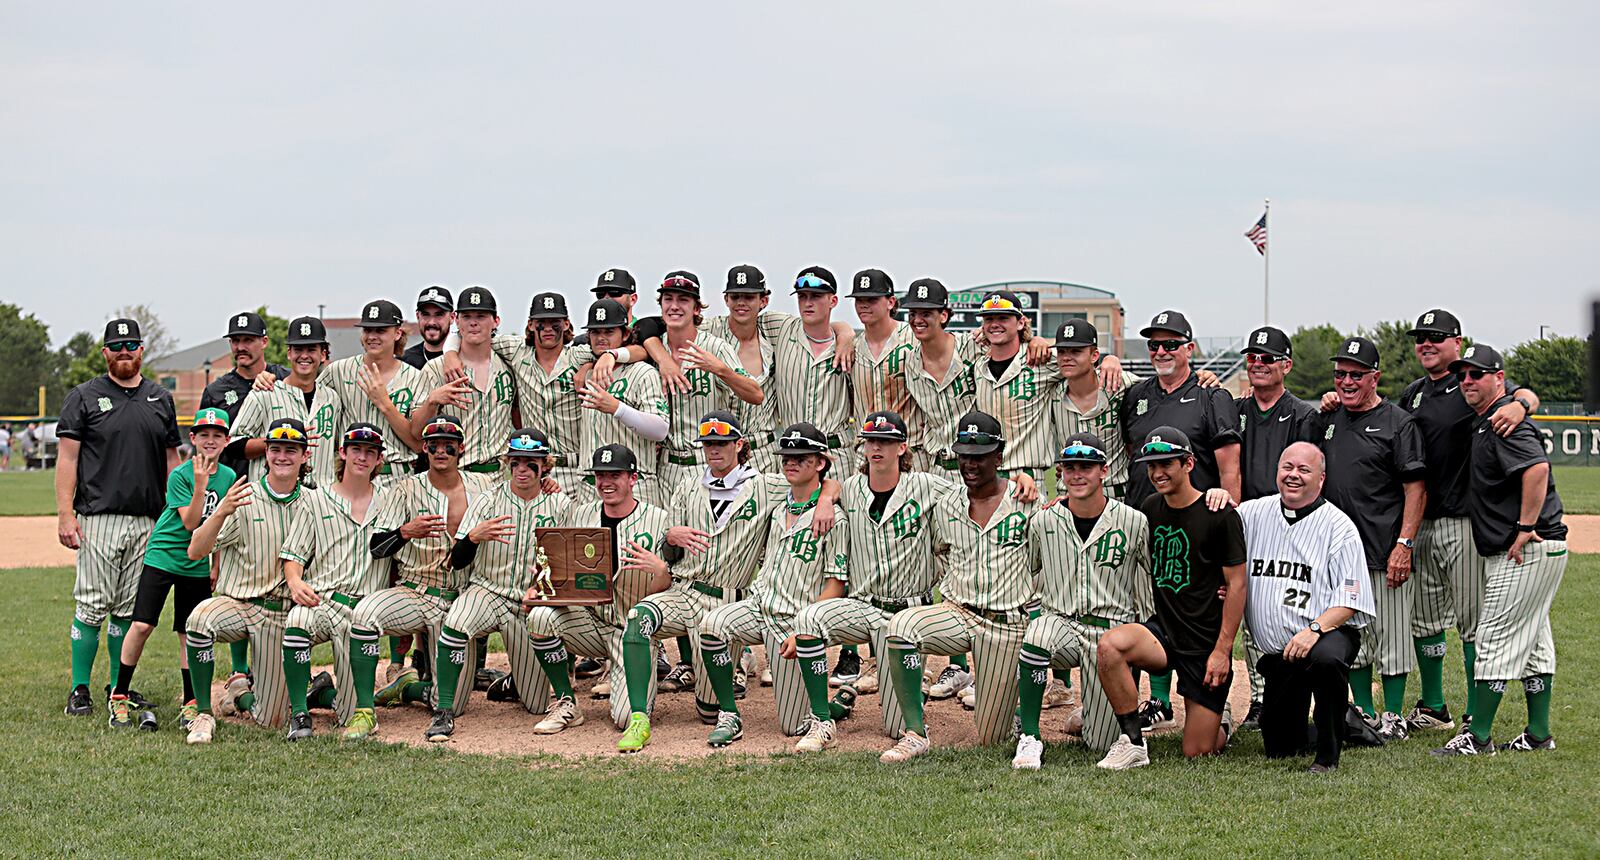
(729, 729)
(393, 693)
(636, 736)
(362, 723)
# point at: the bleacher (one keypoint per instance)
(1220, 355)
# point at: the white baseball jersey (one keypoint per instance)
(941, 402)
(426, 561)
(639, 386)
(796, 563)
(547, 401)
(261, 408)
(880, 382)
(1106, 575)
(333, 546)
(890, 557)
(1300, 569)
(506, 569)
(736, 545)
(806, 385)
(250, 542)
(646, 526)
(760, 420)
(985, 566)
(1104, 420)
(487, 422)
(351, 404)
(706, 393)
(1023, 401)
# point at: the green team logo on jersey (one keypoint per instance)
(540, 521)
(644, 540)
(1023, 387)
(894, 363)
(1169, 558)
(1110, 549)
(564, 381)
(324, 421)
(503, 387)
(803, 547)
(747, 511)
(699, 383)
(841, 561)
(1012, 530)
(402, 400)
(907, 521)
(619, 388)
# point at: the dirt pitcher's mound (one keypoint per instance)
(31, 542)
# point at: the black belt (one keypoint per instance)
(713, 591)
(999, 616)
(682, 460)
(267, 603)
(441, 593)
(900, 604)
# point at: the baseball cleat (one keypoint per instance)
(847, 670)
(587, 667)
(1056, 695)
(1074, 725)
(148, 721)
(1465, 744)
(121, 713)
(421, 660)
(299, 726)
(140, 703)
(362, 724)
(201, 728)
(636, 735)
(820, 735)
(1424, 718)
(483, 678)
(951, 681)
(187, 714)
(504, 689)
(393, 669)
(1154, 716)
(867, 684)
(968, 698)
(910, 746)
(748, 661)
(843, 703)
(1526, 743)
(1252, 719)
(237, 685)
(391, 693)
(323, 681)
(1123, 755)
(1029, 752)
(562, 714)
(601, 689)
(1322, 768)
(766, 677)
(442, 726)
(679, 679)
(729, 729)
(79, 703)
(663, 668)
(1392, 727)
(741, 683)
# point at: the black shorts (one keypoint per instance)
(1191, 672)
(187, 592)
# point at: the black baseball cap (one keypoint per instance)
(1082, 448)
(122, 330)
(885, 425)
(615, 279)
(477, 299)
(680, 281)
(436, 296)
(1437, 321)
(977, 433)
(548, 306)
(380, 314)
(926, 294)
(996, 302)
(720, 425)
(288, 430)
(1269, 340)
(445, 427)
(871, 283)
(1073, 333)
(528, 442)
(1173, 321)
(246, 324)
(613, 458)
(1479, 355)
(306, 331)
(1359, 350)
(361, 433)
(607, 313)
(746, 279)
(800, 439)
(1164, 443)
(815, 279)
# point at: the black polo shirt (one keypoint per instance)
(123, 434)
(418, 354)
(1206, 415)
(1495, 483)
(1371, 455)
(1266, 434)
(227, 392)
(1446, 422)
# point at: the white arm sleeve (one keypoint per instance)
(652, 427)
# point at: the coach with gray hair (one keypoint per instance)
(1309, 592)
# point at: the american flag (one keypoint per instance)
(1258, 234)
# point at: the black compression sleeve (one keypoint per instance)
(463, 553)
(385, 544)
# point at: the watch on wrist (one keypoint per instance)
(1316, 628)
(1526, 406)
(1406, 542)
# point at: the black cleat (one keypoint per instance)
(79, 704)
(1252, 719)
(1527, 743)
(846, 670)
(1465, 744)
(442, 727)
(504, 689)
(299, 726)
(323, 681)
(486, 677)
(662, 666)
(587, 667)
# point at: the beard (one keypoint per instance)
(124, 368)
(434, 335)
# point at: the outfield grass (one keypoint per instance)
(75, 788)
(27, 493)
(1579, 487)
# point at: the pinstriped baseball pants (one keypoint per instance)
(330, 622)
(583, 631)
(1072, 644)
(679, 611)
(741, 624)
(1449, 579)
(1386, 642)
(226, 619)
(949, 629)
(1514, 639)
(110, 556)
(397, 611)
(851, 621)
(479, 611)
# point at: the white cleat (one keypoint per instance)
(1123, 755)
(201, 729)
(1029, 751)
(1056, 695)
(951, 681)
(910, 746)
(563, 713)
(820, 735)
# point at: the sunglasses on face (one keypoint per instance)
(716, 428)
(442, 448)
(1165, 345)
(124, 346)
(610, 294)
(1352, 375)
(285, 433)
(1431, 338)
(1084, 453)
(1261, 358)
(1475, 373)
(977, 437)
(362, 435)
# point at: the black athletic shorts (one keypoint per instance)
(187, 592)
(1191, 672)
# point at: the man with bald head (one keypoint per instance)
(1309, 594)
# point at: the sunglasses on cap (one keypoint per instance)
(1261, 358)
(978, 437)
(1433, 338)
(1475, 373)
(362, 435)
(717, 428)
(436, 428)
(1165, 345)
(879, 424)
(1162, 448)
(811, 282)
(285, 433)
(680, 282)
(1352, 375)
(1084, 452)
(528, 443)
(124, 346)
(998, 303)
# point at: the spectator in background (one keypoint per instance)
(5, 447)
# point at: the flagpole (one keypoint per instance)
(1266, 267)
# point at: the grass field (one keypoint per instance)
(77, 789)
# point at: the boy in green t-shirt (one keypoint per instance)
(193, 491)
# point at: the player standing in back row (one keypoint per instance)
(483, 398)
(379, 389)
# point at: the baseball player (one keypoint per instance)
(251, 602)
(619, 286)
(800, 567)
(414, 526)
(193, 491)
(497, 544)
(638, 532)
(811, 364)
(293, 396)
(328, 568)
(1517, 527)
(1089, 555)
(1309, 595)
(1375, 472)
(1195, 552)
(377, 388)
(878, 372)
(1016, 384)
(1086, 404)
(746, 296)
(247, 342)
(483, 397)
(435, 315)
(981, 532)
(630, 409)
(1448, 573)
(118, 440)
(938, 374)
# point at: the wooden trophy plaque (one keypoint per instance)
(575, 567)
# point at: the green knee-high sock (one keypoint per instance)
(85, 643)
(637, 667)
(1537, 689)
(246, 702)
(812, 655)
(240, 654)
(116, 631)
(1430, 666)
(905, 664)
(1161, 687)
(1033, 664)
(1394, 694)
(1469, 656)
(1064, 676)
(718, 663)
(556, 661)
(202, 665)
(296, 658)
(685, 650)
(1361, 690)
(451, 655)
(417, 691)
(364, 665)
(1487, 703)
(959, 660)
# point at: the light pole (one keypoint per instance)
(1543, 328)
(207, 366)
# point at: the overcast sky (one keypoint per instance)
(204, 158)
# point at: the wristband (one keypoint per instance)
(1525, 527)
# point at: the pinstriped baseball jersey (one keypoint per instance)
(807, 386)
(1022, 400)
(1103, 420)
(706, 393)
(1107, 575)
(880, 383)
(647, 526)
(1299, 569)
(941, 401)
(250, 543)
(893, 557)
(353, 405)
(735, 552)
(639, 386)
(325, 421)
(426, 561)
(796, 563)
(261, 408)
(487, 422)
(547, 400)
(758, 419)
(506, 569)
(334, 547)
(985, 566)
